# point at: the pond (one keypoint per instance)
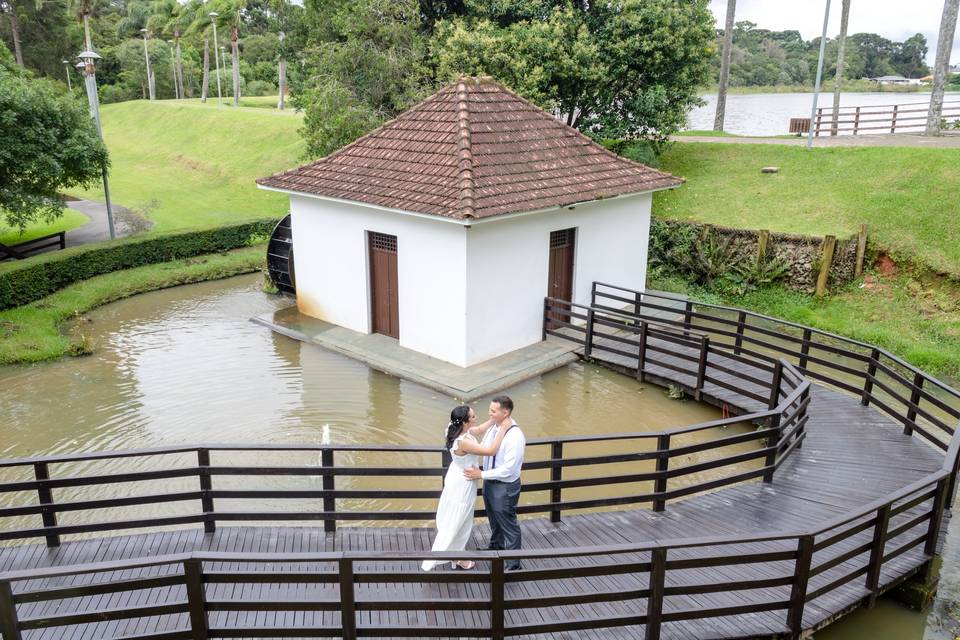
(185, 365)
(768, 114)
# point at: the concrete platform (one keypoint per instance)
(385, 354)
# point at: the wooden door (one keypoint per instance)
(560, 279)
(384, 299)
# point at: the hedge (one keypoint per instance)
(32, 279)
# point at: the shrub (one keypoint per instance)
(260, 88)
(25, 282)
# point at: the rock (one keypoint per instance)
(770, 170)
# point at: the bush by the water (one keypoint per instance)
(22, 283)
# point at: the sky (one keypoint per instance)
(892, 19)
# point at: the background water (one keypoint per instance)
(768, 114)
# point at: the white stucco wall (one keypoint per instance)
(333, 281)
(466, 294)
(508, 266)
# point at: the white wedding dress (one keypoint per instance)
(455, 511)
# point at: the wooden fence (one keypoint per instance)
(890, 118)
(33, 247)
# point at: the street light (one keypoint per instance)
(66, 66)
(146, 56)
(213, 20)
(87, 63)
(173, 65)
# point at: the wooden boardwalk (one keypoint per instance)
(852, 456)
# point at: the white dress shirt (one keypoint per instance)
(505, 466)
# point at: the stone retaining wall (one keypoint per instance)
(801, 253)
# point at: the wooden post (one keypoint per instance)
(933, 529)
(868, 380)
(856, 122)
(642, 351)
(687, 315)
(593, 294)
(762, 239)
(741, 325)
(658, 570)
(826, 260)
(893, 122)
(914, 400)
(348, 605)
(773, 444)
(663, 464)
(546, 311)
(206, 486)
(329, 503)
(556, 473)
(702, 366)
(798, 591)
(805, 347)
(774, 399)
(9, 624)
(638, 304)
(861, 251)
(196, 599)
(876, 553)
(45, 495)
(588, 337)
(819, 120)
(496, 599)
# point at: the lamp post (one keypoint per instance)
(282, 74)
(216, 56)
(146, 56)
(173, 66)
(816, 85)
(66, 67)
(88, 59)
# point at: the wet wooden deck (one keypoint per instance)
(853, 455)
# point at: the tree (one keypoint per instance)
(841, 45)
(618, 69)
(235, 61)
(941, 68)
(9, 9)
(48, 143)
(725, 66)
(910, 57)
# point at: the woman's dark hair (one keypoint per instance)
(458, 416)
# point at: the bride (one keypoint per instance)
(455, 512)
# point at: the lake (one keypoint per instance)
(768, 114)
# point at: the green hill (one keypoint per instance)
(184, 164)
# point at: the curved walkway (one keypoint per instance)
(853, 455)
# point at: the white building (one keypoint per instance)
(447, 226)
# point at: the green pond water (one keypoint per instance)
(185, 365)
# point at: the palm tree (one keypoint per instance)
(941, 68)
(725, 66)
(235, 60)
(83, 9)
(841, 45)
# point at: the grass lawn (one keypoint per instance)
(32, 333)
(190, 164)
(910, 198)
(69, 220)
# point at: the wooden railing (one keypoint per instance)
(891, 118)
(32, 247)
(644, 585)
(924, 405)
(782, 430)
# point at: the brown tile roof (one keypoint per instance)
(472, 150)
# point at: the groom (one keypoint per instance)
(501, 479)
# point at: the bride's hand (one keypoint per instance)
(472, 473)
